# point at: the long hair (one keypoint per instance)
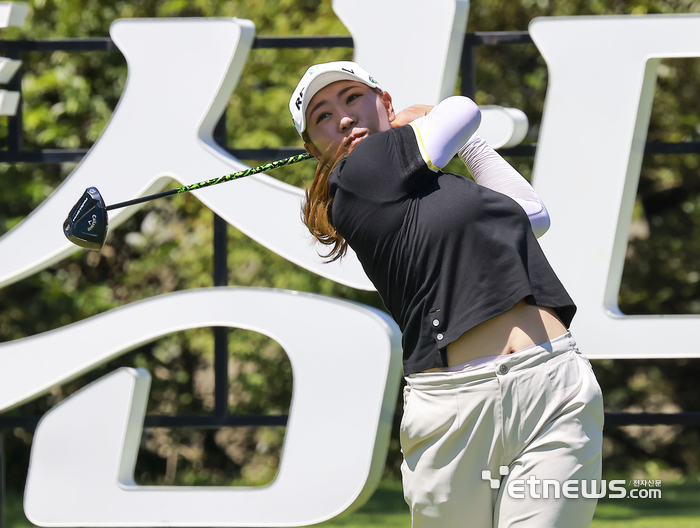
(317, 209)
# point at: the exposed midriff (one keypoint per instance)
(522, 326)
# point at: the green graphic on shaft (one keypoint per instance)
(235, 176)
(244, 173)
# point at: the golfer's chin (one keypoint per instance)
(348, 142)
(353, 139)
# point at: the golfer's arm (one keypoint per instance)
(450, 129)
(447, 127)
(491, 170)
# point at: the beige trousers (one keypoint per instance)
(538, 411)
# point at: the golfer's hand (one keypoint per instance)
(409, 114)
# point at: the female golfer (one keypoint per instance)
(503, 416)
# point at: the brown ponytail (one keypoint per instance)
(318, 207)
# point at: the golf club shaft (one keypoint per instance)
(208, 183)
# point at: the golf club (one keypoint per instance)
(86, 225)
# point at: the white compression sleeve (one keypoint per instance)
(445, 129)
(491, 170)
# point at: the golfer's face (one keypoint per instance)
(345, 109)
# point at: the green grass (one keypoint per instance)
(679, 507)
(385, 509)
(14, 514)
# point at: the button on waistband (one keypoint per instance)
(502, 369)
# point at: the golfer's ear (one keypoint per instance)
(388, 104)
(311, 149)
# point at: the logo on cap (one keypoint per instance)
(298, 101)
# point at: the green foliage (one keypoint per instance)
(167, 245)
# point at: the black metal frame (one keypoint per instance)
(221, 418)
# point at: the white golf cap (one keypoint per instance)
(318, 77)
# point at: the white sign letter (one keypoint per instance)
(181, 74)
(344, 394)
(602, 75)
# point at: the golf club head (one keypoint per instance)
(86, 225)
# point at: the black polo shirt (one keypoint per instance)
(444, 253)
